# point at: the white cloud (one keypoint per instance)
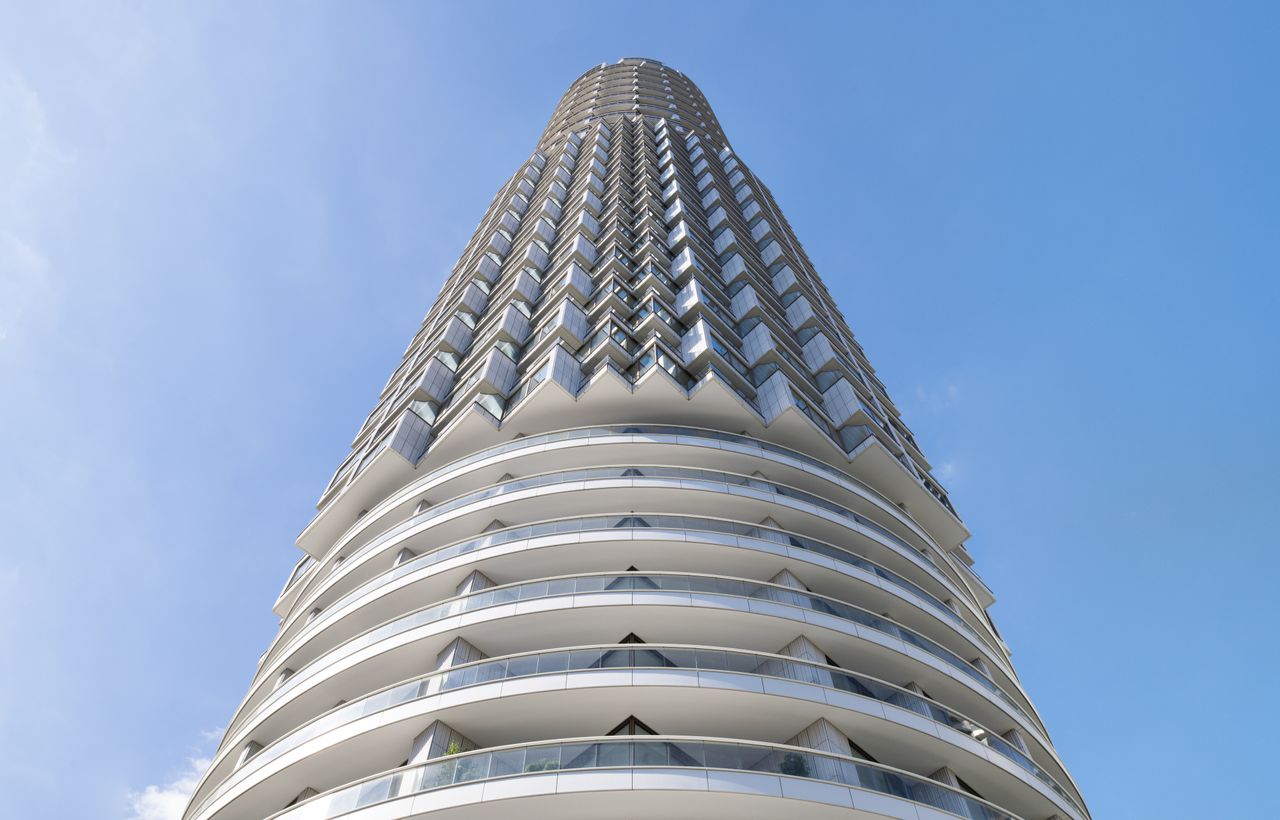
(31, 159)
(33, 166)
(168, 801)
(26, 292)
(937, 400)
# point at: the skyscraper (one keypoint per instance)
(634, 530)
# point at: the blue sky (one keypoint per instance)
(1053, 227)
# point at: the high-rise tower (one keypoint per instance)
(635, 531)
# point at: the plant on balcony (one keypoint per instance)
(794, 764)
(541, 765)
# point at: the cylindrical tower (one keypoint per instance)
(635, 531)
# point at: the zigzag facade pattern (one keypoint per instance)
(635, 530)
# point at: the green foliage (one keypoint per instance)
(794, 764)
(542, 766)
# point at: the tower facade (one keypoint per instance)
(634, 530)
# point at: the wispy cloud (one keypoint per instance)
(166, 802)
(33, 165)
(25, 289)
(32, 158)
(940, 398)
(943, 397)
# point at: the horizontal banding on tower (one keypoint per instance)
(635, 523)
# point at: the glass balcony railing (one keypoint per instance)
(582, 433)
(724, 482)
(649, 752)
(657, 524)
(632, 657)
(693, 432)
(299, 569)
(629, 583)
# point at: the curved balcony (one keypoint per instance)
(709, 587)
(780, 765)
(640, 524)
(539, 488)
(564, 621)
(689, 478)
(660, 434)
(631, 657)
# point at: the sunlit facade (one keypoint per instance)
(634, 530)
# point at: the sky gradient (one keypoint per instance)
(1053, 227)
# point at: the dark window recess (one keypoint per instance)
(632, 726)
(858, 751)
(967, 787)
